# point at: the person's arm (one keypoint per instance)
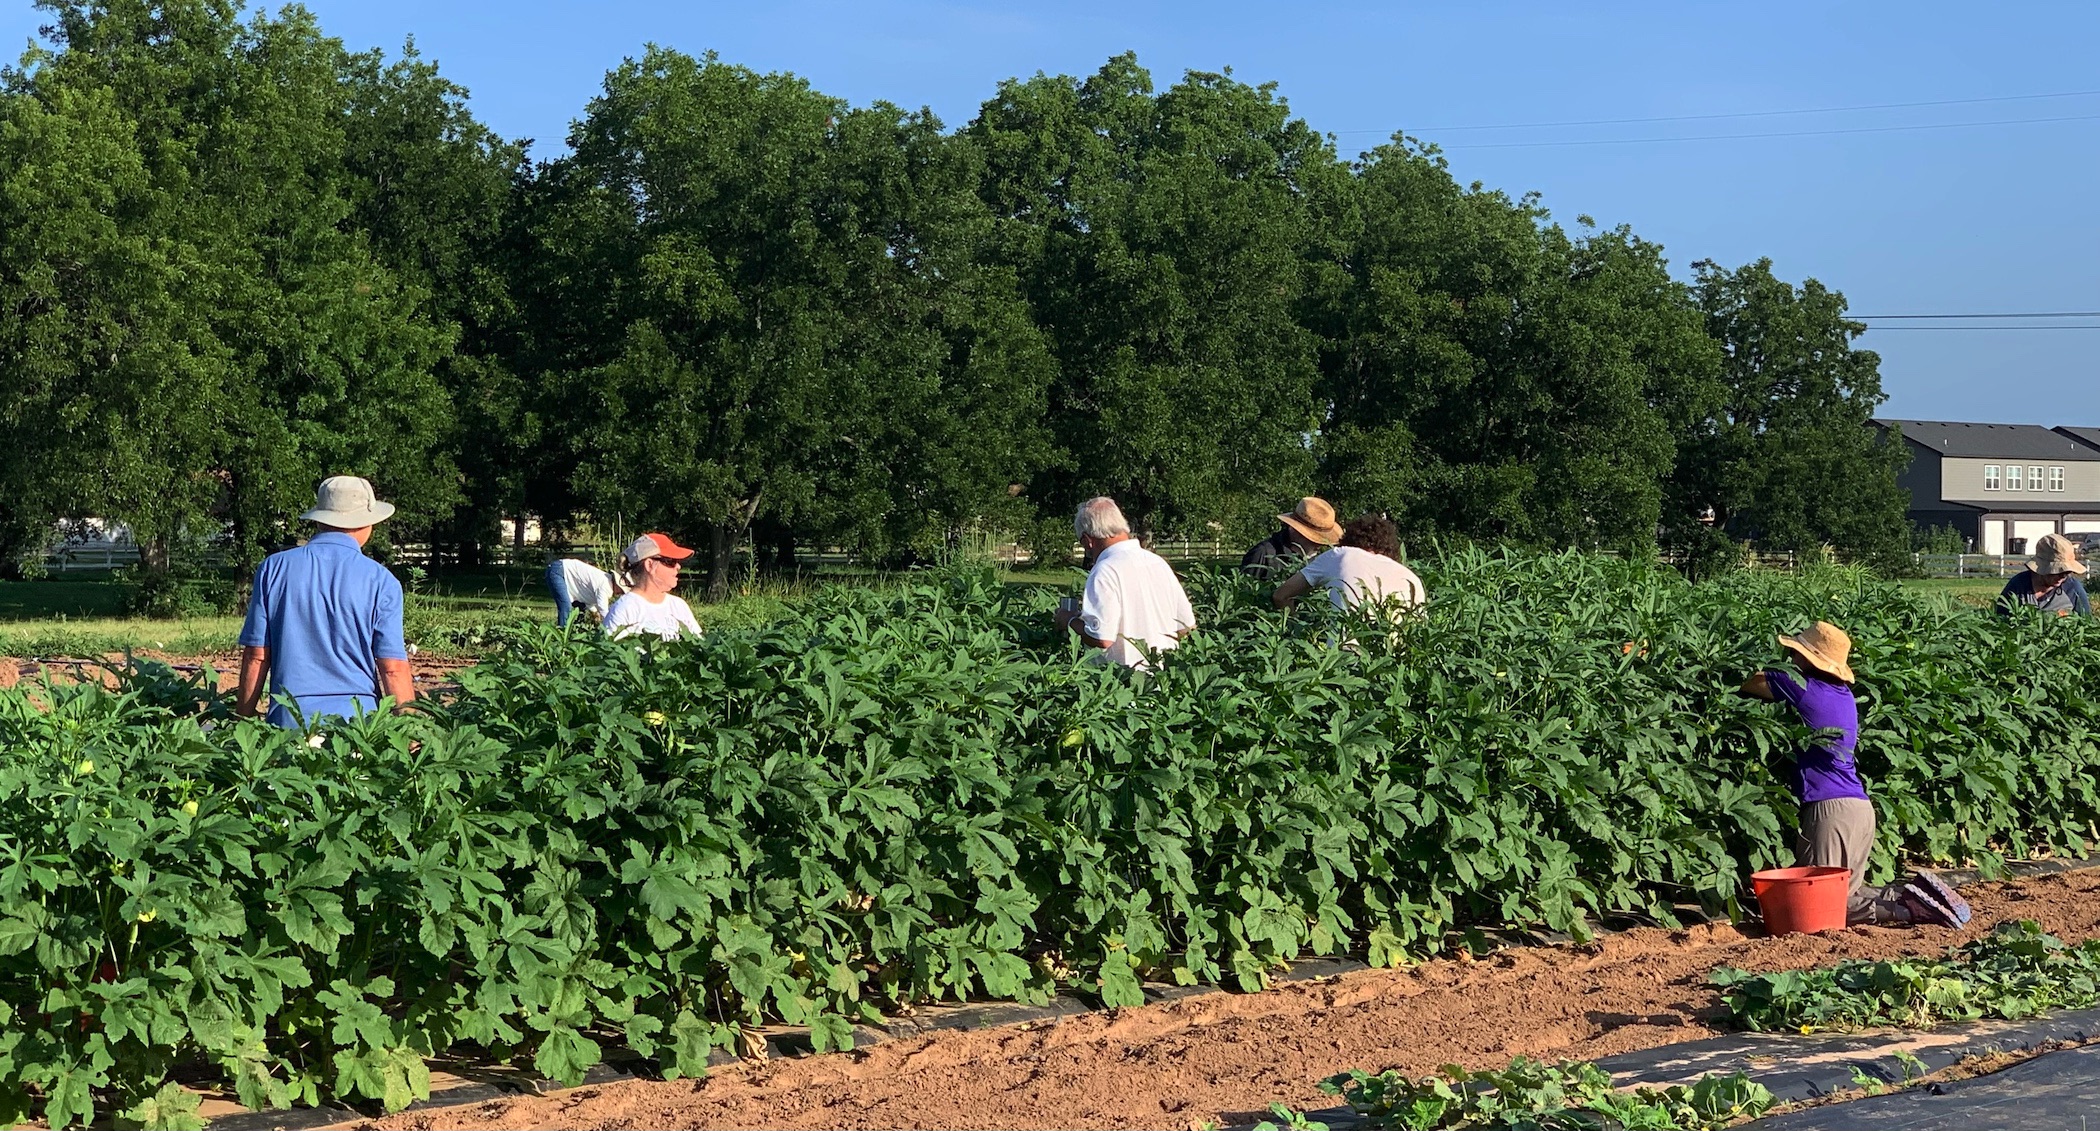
(1758, 687)
(1100, 605)
(686, 620)
(390, 647)
(255, 674)
(397, 679)
(255, 653)
(1287, 594)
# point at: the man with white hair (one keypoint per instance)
(1134, 605)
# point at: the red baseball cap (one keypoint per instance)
(655, 546)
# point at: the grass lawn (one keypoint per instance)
(453, 614)
(1978, 591)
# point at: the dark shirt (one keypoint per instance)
(2070, 597)
(1824, 768)
(1276, 557)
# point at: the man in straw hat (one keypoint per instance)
(324, 621)
(2053, 582)
(1836, 829)
(1305, 532)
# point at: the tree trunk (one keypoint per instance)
(721, 556)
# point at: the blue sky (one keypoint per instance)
(1990, 218)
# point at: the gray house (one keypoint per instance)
(2002, 486)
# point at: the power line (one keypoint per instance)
(2043, 314)
(1782, 133)
(1748, 113)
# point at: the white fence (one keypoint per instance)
(1970, 565)
(91, 556)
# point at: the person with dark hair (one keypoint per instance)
(1365, 567)
(1307, 530)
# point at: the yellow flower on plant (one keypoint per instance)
(87, 766)
(655, 718)
(148, 915)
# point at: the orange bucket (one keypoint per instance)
(1802, 899)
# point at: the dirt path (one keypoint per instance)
(430, 671)
(1226, 1056)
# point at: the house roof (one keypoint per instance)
(2000, 441)
(2090, 436)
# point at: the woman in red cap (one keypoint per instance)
(650, 565)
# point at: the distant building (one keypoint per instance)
(2002, 486)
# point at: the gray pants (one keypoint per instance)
(1839, 833)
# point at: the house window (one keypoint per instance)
(2034, 478)
(2013, 482)
(2056, 479)
(1990, 477)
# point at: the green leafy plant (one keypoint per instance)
(1537, 1096)
(2016, 971)
(878, 798)
(1287, 1118)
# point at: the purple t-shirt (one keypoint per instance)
(1822, 770)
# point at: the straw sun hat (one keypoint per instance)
(1314, 518)
(1824, 647)
(2054, 553)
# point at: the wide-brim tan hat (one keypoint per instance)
(1825, 647)
(1314, 518)
(2054, 554)
(349, 503)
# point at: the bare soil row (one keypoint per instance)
(1225, 1057)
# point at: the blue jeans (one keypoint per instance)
(558, 584)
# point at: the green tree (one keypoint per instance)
(1789, 460)
(258, 345)
(438, 194)
(1485, 374)
(1165, 243)
(773, 305)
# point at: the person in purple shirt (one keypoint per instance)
(1837, 820)
(323, 634)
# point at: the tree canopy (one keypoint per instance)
(236, 257)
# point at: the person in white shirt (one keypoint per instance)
(651, 564)
(577, 584)
(1134, 605)
(1365, 567)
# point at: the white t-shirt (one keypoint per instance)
(589, 586)
(1351, 574)
(1132, 594)
(668, 618)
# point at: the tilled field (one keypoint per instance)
(1226, 1056)
(430, 671)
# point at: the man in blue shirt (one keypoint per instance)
(324, 620)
